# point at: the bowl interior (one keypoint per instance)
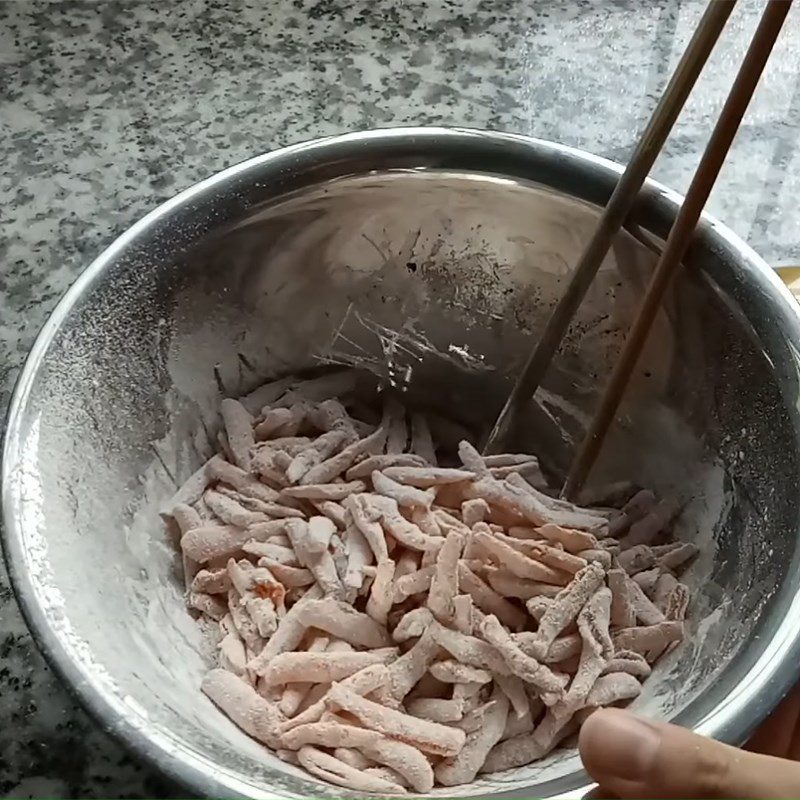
(436, 280)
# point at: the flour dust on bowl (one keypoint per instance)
(428, 258)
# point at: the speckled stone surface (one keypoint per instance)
(106, 109)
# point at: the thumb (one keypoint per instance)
(635, 758)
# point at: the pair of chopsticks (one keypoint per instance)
(616, 211)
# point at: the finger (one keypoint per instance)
(774, 737)
(598, 793)
(636, 758)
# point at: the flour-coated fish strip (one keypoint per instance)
(272, 420)
(208, 604)
(518, 662)
(472, 460)
(213, 542)
(364, 682)
(406, 671)
(421, 440)
(513, 687)
(473, 511)
(593, 623)
(269, 549)
(436, 709)
(426, 477)
(239, 701)
(365, 468)
(273, 510)
(323, 491)
(215, 581)
(531, 505)
(509, 585)
(242, 481)
(488, 600)
(612, 689)
(444, 584)
(413, 583)
(627, 661)
(566, 606)
(464, 766)
(291, 630)
(553, 557)
(359, 555)
(322, 447)
(469, 649)
(464, 614)
(366, 515)
(515, 562)
(334, 466)
(644, 639)
(404, 496)
(623, 613)
(266, 394)
(333, 511)
(334, 771)
(193, 487)
(238, 423)
(413, 624)
(295, 693)
(407, 533)
(322, 667)
(231, 512)
(573, 541)
(430, 737)
(344, 622)
(382, 592)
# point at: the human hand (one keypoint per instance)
(631, 757)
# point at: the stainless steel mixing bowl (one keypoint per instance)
(430, 257)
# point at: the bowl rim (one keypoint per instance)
(147, 744)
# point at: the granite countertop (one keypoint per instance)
(107, 109)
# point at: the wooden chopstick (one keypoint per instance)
(680, 237)
(617, 209)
